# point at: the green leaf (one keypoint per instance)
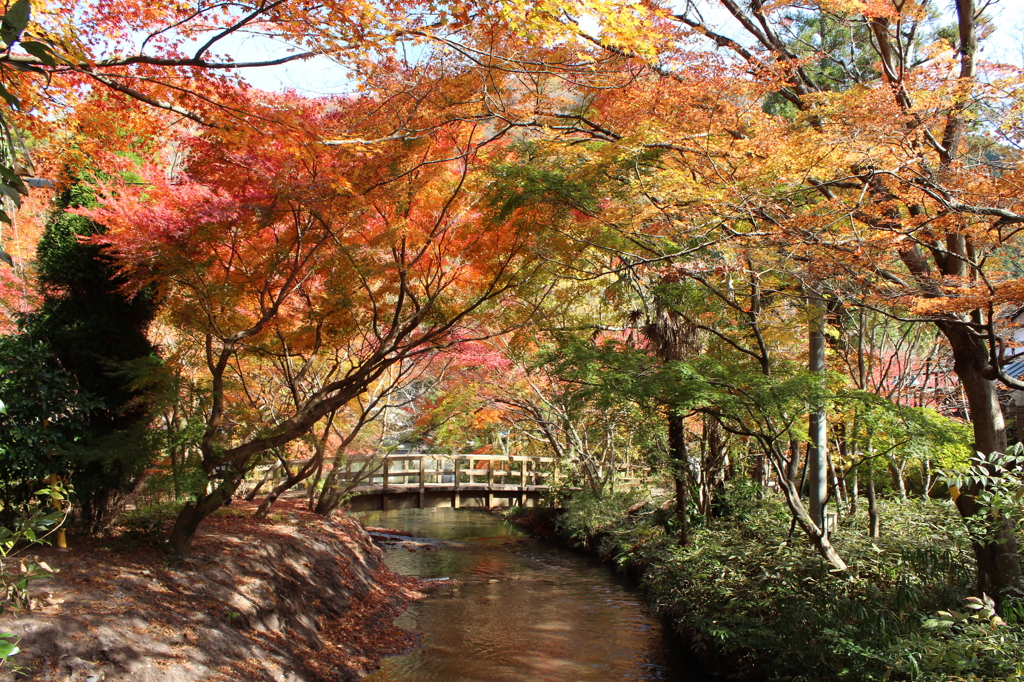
(13, 179)
(8, 649)
(28, 68)
(11, 193)
(15, 21)
(40, 51)
(11, 100)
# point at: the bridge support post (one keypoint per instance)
(490, 483)
(457, 495)
(384, 488)
(522, 483)
(423, 481)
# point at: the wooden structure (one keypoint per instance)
(422, 480)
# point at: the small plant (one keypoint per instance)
(974, 643)
(15, 576)
(150, 521)
(34, 528)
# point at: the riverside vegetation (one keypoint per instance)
(760, 605)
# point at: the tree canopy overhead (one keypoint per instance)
(716, 178)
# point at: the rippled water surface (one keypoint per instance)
(523, 610)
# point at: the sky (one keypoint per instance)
(1007, 41)
(322, 76)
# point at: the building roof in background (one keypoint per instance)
(1014, 368)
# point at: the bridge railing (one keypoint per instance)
(429, 470)
(459, 472)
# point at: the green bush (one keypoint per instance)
(768, 607)
(150, 523)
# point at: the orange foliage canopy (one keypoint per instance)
(280, 254)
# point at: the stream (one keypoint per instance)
(522, 610)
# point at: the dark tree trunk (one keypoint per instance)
(330, 496)
(999, 570)
(875, 529)
(854, 492)
(793, 466)
(287, 484)
(714, 465)
(193, 513)
(677, 452)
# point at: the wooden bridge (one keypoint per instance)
(418, 481)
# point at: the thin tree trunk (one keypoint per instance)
(854, 492)
(837, 489)
(289, 482)
(817, 427)
(819, 539)
(897, 477)
(873, 521)
(266, 477)
(311, 493)
(793, 468)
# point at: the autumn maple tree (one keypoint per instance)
(864, 140)
(284, 254)
(861, 145)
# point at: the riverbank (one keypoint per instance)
(295, 598)
(757, 605)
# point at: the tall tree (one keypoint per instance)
(898, 178)
(95, 330)
(284, 248)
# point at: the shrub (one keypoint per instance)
(768, 607)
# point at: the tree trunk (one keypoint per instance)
(193, 513)
(926, 477)
(287, 484)
(714, 464)
(897, 477)
(793, 466)
(677, 452)
(875, 527)
(330, 496)
(259, 486)
(819, 539)
(292, 480)
(817, 456)
(837, 488)
(311, 494)
(999, 570)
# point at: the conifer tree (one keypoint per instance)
(95, 330)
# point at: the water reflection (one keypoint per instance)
(523, 610)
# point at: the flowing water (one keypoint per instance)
(522, 610)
